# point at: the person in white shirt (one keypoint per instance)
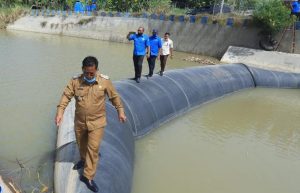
(166, 50)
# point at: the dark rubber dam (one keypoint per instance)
(148, 105)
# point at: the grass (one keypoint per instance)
(177, 11)
(11, 14)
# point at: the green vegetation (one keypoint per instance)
(192, 3)
(272, 16)
(151, 6)
(10, 14)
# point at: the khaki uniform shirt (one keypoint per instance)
(90, 101)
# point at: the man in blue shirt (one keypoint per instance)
(155, 49)
(78, 7)
(295, 5)
(141, 43)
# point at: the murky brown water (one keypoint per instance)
(244, 143)
(34, 70)
(247, 142)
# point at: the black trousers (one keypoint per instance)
(138, 64)
(151, 62)
(163, 62)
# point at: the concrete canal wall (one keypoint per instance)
(194, 36)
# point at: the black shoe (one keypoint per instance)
(149, 75)
(90, 184)
(161, 73)
(78, 165)
(138, 80)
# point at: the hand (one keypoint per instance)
(172, 56)
(122, 118)
(129, 34)
(58, 120)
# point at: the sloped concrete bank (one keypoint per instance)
(207, 39)
(160, 100)
(269, 60)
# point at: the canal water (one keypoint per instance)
(243, 143)
(246, 142)
(34, 70)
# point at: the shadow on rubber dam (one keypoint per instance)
(148, 105)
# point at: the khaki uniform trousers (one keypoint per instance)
(88, 142)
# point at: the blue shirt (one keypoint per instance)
(140, 44)
(296, 7)
(88, 8)
(78, 7)
(155, 45)
(93, 7)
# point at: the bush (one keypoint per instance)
(152, 6)
(159, 6)
(272, 16)
(9, 15)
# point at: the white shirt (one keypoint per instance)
(166, 45)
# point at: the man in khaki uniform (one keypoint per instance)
(89, 90)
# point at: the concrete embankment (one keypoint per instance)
(270, 60)
(160, 100)
(207, 39)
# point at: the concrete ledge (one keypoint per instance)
(270, 60)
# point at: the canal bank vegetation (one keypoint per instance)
(179, 7)
(153, 6)
(272, 16)
(11, 14)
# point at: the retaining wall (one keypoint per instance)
(190, 34)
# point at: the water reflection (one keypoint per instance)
(247, 142)
(270, 116)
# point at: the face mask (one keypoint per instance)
(89, 81)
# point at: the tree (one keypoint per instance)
(192, 3)
(272, 16)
